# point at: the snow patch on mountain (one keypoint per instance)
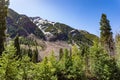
(41, 24)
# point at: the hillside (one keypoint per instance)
(89, 35)
(54, 31)
(21, 24)
(49, 35)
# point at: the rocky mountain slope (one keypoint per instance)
(54, 31)
(21, 24)
(51, 35)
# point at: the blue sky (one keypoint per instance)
(80, 14)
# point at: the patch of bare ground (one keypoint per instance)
(54, 46)
(47, 47)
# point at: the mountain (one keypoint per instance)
(21, 25)
(54, 31)
(46, 30)
(48, 35)
(89, 35)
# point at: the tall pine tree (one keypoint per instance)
(106, 37)
(35, 54)
(3, 14)
(17, 46)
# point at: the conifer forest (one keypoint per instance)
(89, 57)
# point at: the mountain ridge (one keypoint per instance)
(44, 29)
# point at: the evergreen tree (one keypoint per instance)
(45, 70)
(3, 14)
(9, 64)
(42, 71)
(35, 54)
(78, 67)
(17, 46)
(26, 68)
(30, 53)
(106, 37)
(53, 64)
(103, 67)
(61, 53)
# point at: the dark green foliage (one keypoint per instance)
(105, 27)
(30, 53)
(89, 36)
(115, 70)
(3, 15)
(61, 53)
(17, 46)
(28, 41)
(35, 56)
(106, 37)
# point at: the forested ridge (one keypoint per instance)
(98, 61)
